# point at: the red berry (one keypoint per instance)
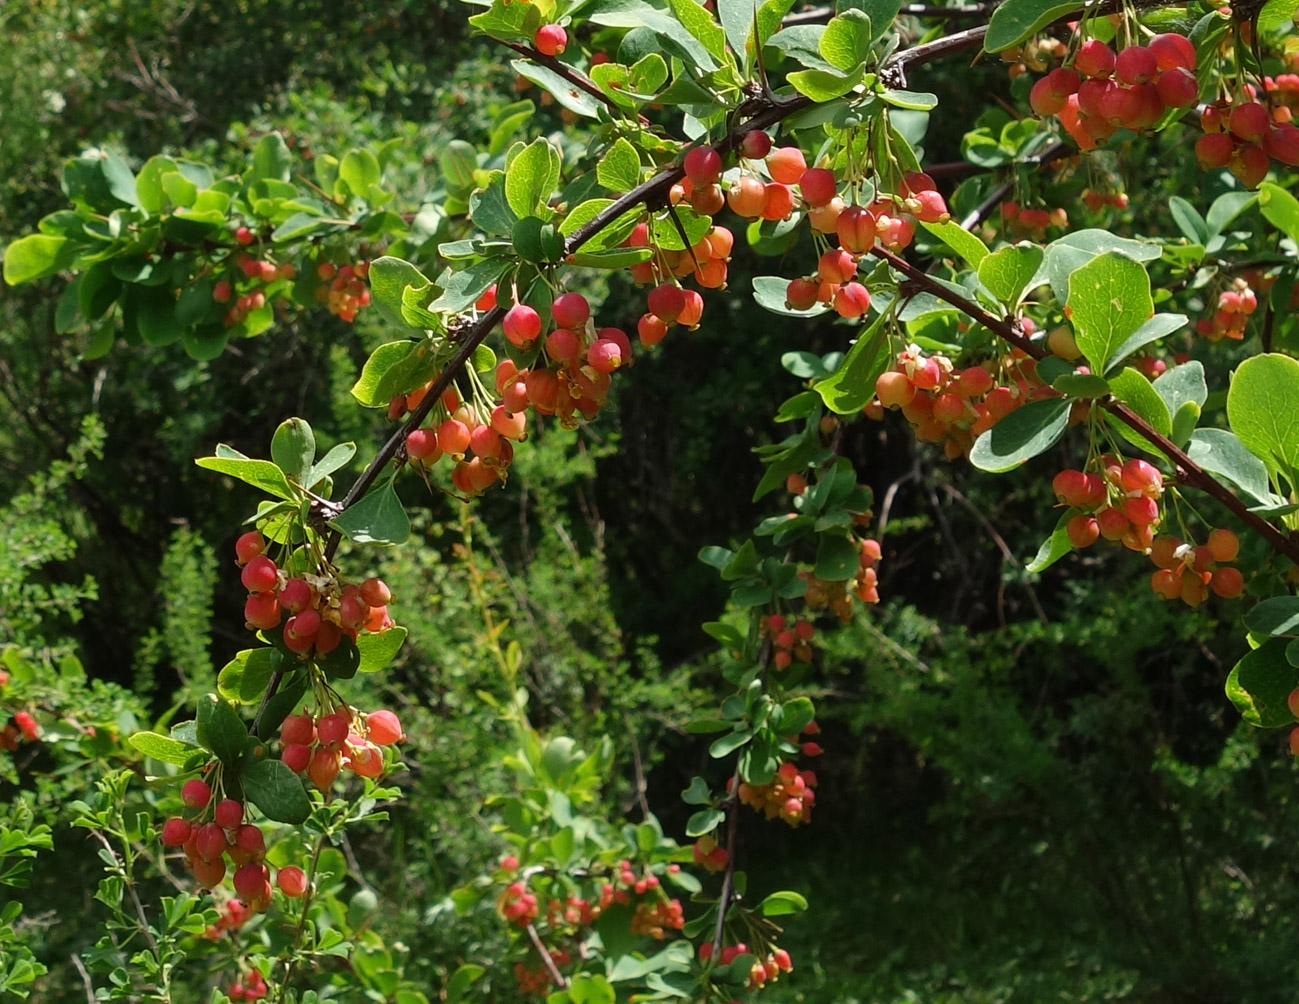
(756, 145)
(383, 728)
(260, 575)
(550, 39)
(1227, 583)
(801, 294)
(856, 229)
(249, 879)
(851, 300)
(818, 186)
(786, 165)
(1177, 88)
(604, 355)
(251, 841)
(195, 793)
(522, 325)
(1223, 545)
(296, 756)
(1083, 531)
(1095, 59)
(666, 301)
(651, 329)
(422, 444)
(570, 310)
(210, 841)
(487, 301)
(295, 595)
(1214, 149)
(331, 730)
(244, 236)
(1173, 51)
(176, 831)
(376, 593)
(292, 881)
(229, 814)
(747, 197)
(1249, 121)
(703, 166)
(261, 611)
(1135, 65)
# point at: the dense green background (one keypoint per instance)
(1034, 788)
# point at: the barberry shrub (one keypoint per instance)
(695, 132)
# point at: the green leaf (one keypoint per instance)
(120, 178)
(1022, 434)
(378, 518)
(825, 85)
(1277, 615)
(916, 101)
(613, 258)
(1182, 384)
(846, 41)
(461, 980)
(702, 27)
(1007, 273)
(836, 559)
(699, 793)
(1054, 547)
(737, 17)
(588, 988)
(164, 749)
(783, 903)
(271, 159)
(259, 473)
(458, 162)
(360, 172)
(293, 448)
(576, 101)
(1226, 208)
(1220, 452)
(1260, 684)
(490, 210)
(1016, 20)
(1151, 330)
(1280, 208)
(1189, 220)
(704, 821)
(389, 278)
(795, 715)
(531, 177)
(1074, 250)
(460, 290)
(378, 650)
(334, 460)
(1132, 388)
(273, 787)
(301, 225)
(729, 743)
(1263, 409)
(1275, 15)
(1109, 299)
(36, 256)
(220, 729)
(367, 387)
(244, 678)
(619, 168)
(960, 240)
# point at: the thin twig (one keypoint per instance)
(728, 879)
(85, 978)
(546, 959)
(130, 887)
(573, 75)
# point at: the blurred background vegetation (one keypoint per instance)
(1034, 789)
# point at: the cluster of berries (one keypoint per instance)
(343, 290)
(1029, 222)
(1104, 91)
(1120, 503)
(537, 982)
(789, 795)
(1244, 138)
(259, 271)
(1232, 314)
(657, 917)
(23, 727)
(765, 969)
(950, 406)
(668, 303)
(518, 905)
(572, 912)
(321, 611)
(1189, 572)
(1096, 201)
(789, 642)
(456, 429)
(220, 831)
(341, 739)
(253, 988)
(234, 913)
(709, 853)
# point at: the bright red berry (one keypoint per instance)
(550, 40)
(195, 793)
